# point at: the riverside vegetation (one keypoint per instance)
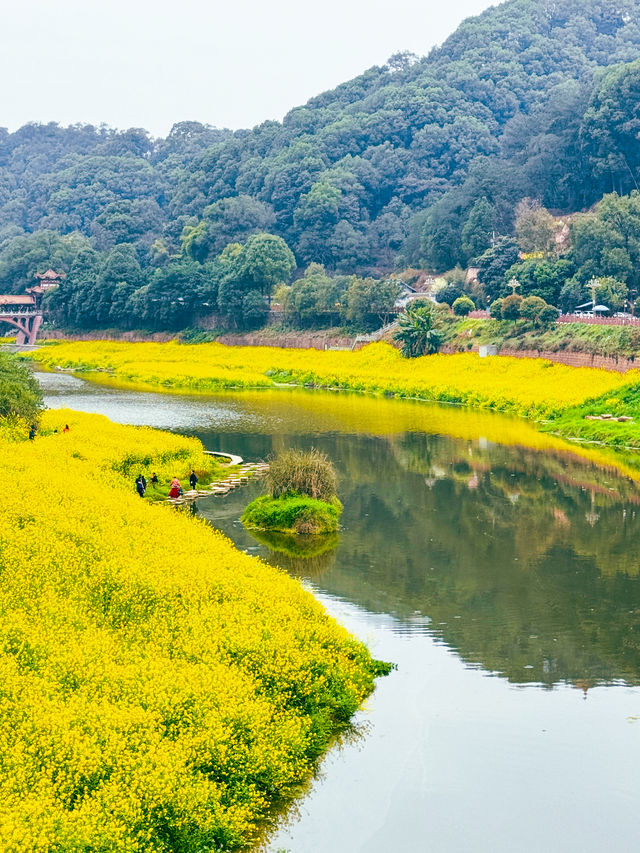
(532, 388)
(302, 496)
(161, 691)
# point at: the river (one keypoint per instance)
(503, 582)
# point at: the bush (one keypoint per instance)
(462, 306)
(293, 514)
(308, 473)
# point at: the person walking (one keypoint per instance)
(193, 479)
(140, 485)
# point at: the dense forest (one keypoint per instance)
(416, 163)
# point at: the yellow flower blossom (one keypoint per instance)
(159, 690)
(531, 387)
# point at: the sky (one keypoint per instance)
(228, 63)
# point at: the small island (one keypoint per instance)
(302, 496)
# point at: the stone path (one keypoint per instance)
(219, 488)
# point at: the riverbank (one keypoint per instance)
(160, 687)
(531, 388)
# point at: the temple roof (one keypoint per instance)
(10, 299)
(50, 275)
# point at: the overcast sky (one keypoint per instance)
(229, 63)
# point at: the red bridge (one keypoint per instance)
(24, 312)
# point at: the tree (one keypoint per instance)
(543, 278)
(20, 394)
(418, 330)
(531, 308)
(610, 128)
(232, 284)
(449, 293)
(494, 264)
(573, 293)
(478, 228)
(23, 256)
(367, 299)
(548, 315)
(384, 298)
(120, 276)
(535, 227)
(495, 309)
(172, 297)
(313, 299)
(510, 309)
(254, 310)
(612, 293)
(462, 306)
(229, 220)
(606, 242)
(266, 262)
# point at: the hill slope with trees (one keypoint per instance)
(417, 162)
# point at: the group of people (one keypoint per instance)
(175, 489)
(141, 483)
(34, 430)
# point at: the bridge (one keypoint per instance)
(24, 311)
(27, 319)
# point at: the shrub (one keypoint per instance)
(462, 306)
(300, 472)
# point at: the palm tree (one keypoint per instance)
(418, 330)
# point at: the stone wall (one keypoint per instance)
(577, 359)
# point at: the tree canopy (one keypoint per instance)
(420, 162)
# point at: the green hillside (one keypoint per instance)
(417, 162)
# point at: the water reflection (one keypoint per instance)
(524, 562)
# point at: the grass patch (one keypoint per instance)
(574, 422)
(293, 514)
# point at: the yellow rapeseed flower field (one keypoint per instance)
(159, 690)
(529, 387)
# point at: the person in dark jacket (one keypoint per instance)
(193, 479)
(141, 485)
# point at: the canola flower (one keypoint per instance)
(159, 690)
(529, 387)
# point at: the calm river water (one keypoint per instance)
(504, 584)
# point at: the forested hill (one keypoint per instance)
(517, 102)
